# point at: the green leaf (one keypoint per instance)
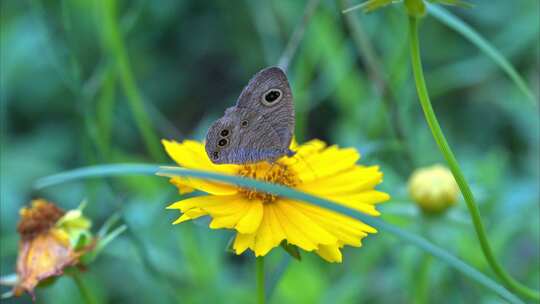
(110, 237)
(468, 32)
(101, 244)
(107, 226)
(459, 3)
(96, 171)
(81, 240)
(230, 245)
(368, 6)
(292, 250)
(430, 248)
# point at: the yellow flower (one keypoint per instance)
(263, 221)
(433, 188)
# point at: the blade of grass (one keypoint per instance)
(468, 32)
(109, 237)
(37, 12)
(430, 248)
(107, 226)
(297, 35)
(115, 45)
(96, 171)
(267, 27)
(105, 110)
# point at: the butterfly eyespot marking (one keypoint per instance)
(222, 142)
(244, 123)
(224, 132)
(271, 97)
(215, 155)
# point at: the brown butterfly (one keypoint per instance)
(259, 127)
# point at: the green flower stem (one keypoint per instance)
(422, 280)
(422, 283)
(83, 290)
(454, 167)
(260, 279)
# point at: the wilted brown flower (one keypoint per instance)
(45, 249)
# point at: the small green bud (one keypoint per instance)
(433, 188)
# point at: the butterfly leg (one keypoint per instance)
(290, 153)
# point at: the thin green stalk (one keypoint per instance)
(297, 35)
(105, 111)
(260, 279)
(85, 293)
(454, 167)
(422, 281)
(116, 46)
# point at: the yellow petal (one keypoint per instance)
(232, 205)
(330, 161)
(330, 253)
(243, 242)
(181, 184)
(190, 215)
(203, 201)
(278, 234)
(252, 219)
(269, 234)
(294, 235)
(230, 220)
(305, 224)
(191, 154)
(345, 231)
(303, 151)
(188, 184)
(356, 179)
(344, 220)
(363, 202)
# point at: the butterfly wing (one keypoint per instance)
(243, 136)
(269, 93)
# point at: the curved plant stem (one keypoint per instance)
(260, 279)
(85, 293)
(454, 167)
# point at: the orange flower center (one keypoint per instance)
(38, 219)
(276, 173)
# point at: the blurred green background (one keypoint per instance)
(93, 82)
